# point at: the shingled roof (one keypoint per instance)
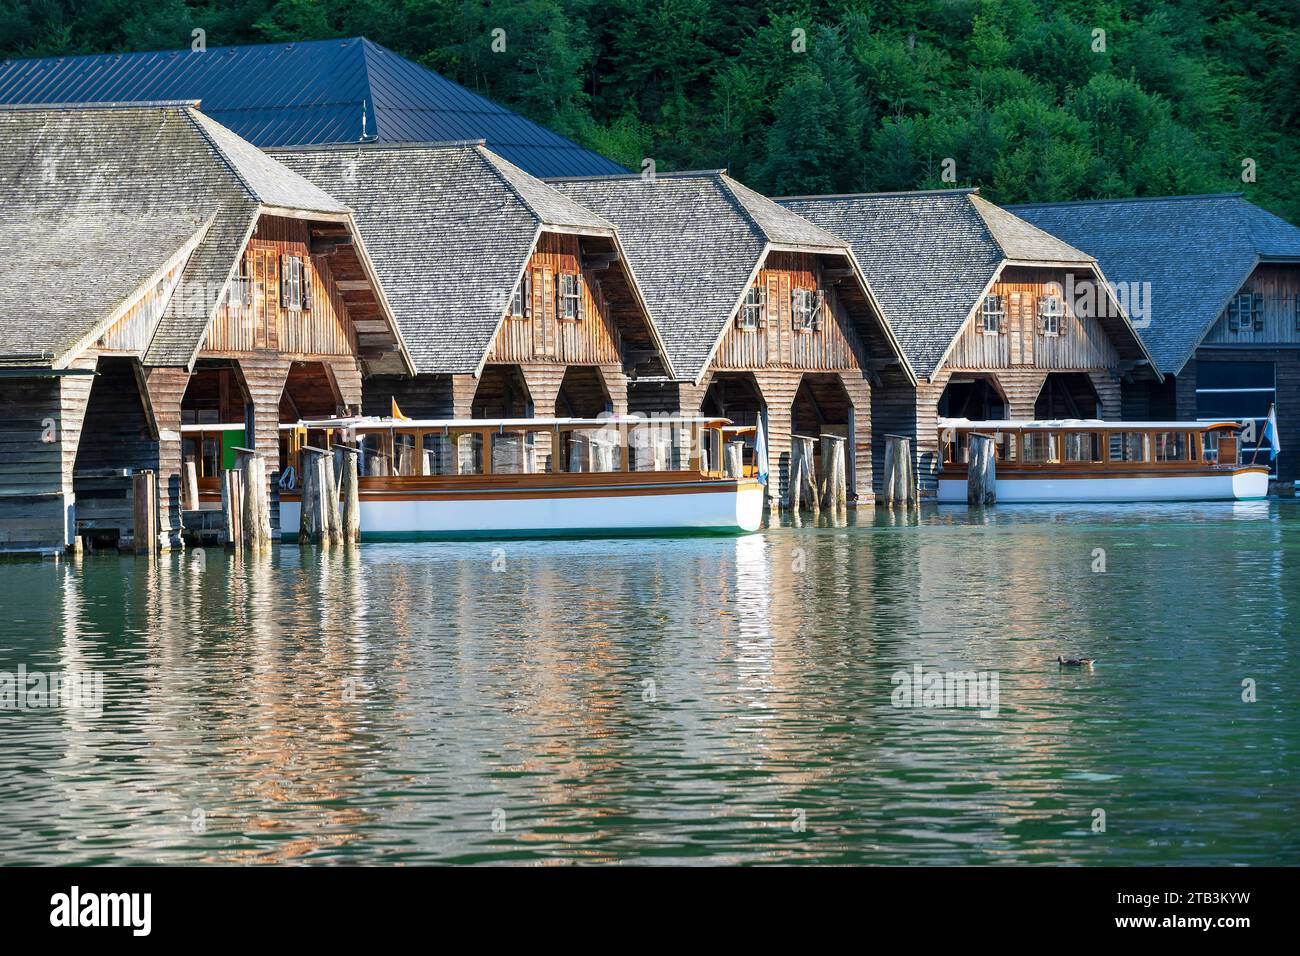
(301, 94)
(1196, 251)
(97, 201)
(450, 227)
(696, 239)
(930, 255)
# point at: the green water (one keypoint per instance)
(409, 703)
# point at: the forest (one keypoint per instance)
(1027, 99)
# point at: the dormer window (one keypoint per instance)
(753, 314)
(295, 283)
(521, 303)
(1050, 313)
(1246, 312)
(993, 315)
(806, 307)
(569, 305)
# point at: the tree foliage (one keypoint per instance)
(1029, 99)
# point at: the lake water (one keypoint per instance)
(691, 700)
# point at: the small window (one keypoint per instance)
(753, 314)
(993, 314)
(1050, 313)
(805, 309)
(240, 293)
(1040, 447)
(1082, 446)
(1246, 312)
(570, 299)
(521, 303)
(295, 285)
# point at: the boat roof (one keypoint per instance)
(506, 424)
(1082, 424)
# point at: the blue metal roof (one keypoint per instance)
(306, 94)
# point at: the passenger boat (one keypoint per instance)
(1089, 460)
(459, 478)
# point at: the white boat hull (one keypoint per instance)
(728, 509)
(1244, 485)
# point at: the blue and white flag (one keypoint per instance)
(760, 451)
(1270, 432)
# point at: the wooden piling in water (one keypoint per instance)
(834, 481)
(735, 459)
(330, 498)
(803, 477)
(256, 503)
(900, 480)
(350, 513)
(190, 489)
(232, 507)
(981, 471)
(144, 501)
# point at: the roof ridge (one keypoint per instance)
(376, 146)
(495, 170)
(286, 44)
(365, 46)
(672, 174)
(1095, 202)
(225, 157)
(988, 228)
(955, 190)
(92, 105)
(726, 182)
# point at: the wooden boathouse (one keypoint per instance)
(515, 300)
(765, 315)
(1000, 319)
(1221, 281)
(176, 294)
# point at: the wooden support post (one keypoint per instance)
(232, 507)
(190, 486)
(310, 519)
(256, 516)
(803, 475)
(330, 499)
(981, 471)
(833, 484)
(735, 459)
(900, 480)
(144, 491)
(350, 516)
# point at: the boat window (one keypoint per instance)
(509, 453)
(469, 453)
(374, 459)
(1005, 445)
(439, 454)
(403, 454)
(1082, 446)
(1169, 446)
(1128, 446)
(1040, 447)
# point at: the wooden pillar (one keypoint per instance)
(833, 485)
(350, 513)
(265, 376)
(803, 481)
(232, 507)
(543, 381)
(860, 437)
(900, 483)
(190, 487)
(463, 388)
(780, 428)
(164, 391)
(144, 504)
(616, 385)
(981, 471)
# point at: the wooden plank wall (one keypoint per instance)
(594, 339)
(266, 324)
(1279, 283)
(836, 345)
(120, 436)
(134, 330)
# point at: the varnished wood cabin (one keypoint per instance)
(999, 319)
(173, 278)
(1219, 281)
(765, 316)
(515, 300)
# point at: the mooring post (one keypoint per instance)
(900, 482)
(256, 495)
(735, 459)
(834, 486)
(232, 507)
(330, 498)
(981, 471)
(190, 500)
(144, 501)
(350, 515)
(803, 476)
